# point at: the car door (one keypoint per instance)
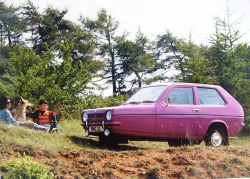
(212, 107)
(177, 114)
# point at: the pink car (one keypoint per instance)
(179, 113)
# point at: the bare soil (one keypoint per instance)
(132, 162)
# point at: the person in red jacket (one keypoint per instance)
(44, 117)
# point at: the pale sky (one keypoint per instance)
(154, 17)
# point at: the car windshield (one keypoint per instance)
(147, 95)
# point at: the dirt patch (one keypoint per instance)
(188, 162)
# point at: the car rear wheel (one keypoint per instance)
(216, 137)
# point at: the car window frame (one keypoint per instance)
(162, 94)
(194, 96)
(218, 91)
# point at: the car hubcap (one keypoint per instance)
(216, 139)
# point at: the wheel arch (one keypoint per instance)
(222, 126)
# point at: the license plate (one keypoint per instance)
(96, 129)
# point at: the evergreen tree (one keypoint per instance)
(227, 55)
(197, 68)
(11, 27)
(231, 60)
(137, 59)
(31, 18)
(103, 31)
(169, 54)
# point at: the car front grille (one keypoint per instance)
(96, 116)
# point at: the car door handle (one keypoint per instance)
(197, 110)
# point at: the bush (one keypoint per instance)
(73, 111)
(25, 168)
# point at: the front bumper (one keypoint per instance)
(104, 124)
(103, 127)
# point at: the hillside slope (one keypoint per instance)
(131, 162)
(69, 154)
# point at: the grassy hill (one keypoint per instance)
(69, 154)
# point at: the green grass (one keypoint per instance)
(72, 137)
(240, 141)
(25, 167)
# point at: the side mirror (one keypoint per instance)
(169, 100)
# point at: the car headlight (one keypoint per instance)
(85, 116)
(108, 115)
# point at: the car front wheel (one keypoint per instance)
(107, 141)
(216, 137)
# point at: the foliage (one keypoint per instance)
(25, 167)
(36, 77)
(189, 59)
(197, 68)
(169, 54)
(103, 30)
(231, 61)
(73, 111)
(136, 59)
(10, 25)
(44, 55)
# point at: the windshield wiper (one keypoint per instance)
(133, 102)
(148, 101)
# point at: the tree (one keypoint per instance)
(137, 59)
(52, 29)
(6, 82)
(227, 55)
(83, 49)
(169, 54)
(189, 59)
(49, 27)
(231, 60)
(31, 18)
(11, 26)
(37, 77)
(197, 67)
(103, 31)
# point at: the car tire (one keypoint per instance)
(107, 141)
(179, 142)
(216, 137)
(102, 140)
(174, 143)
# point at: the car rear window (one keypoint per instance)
(209, 96)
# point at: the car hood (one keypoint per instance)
(142, 108)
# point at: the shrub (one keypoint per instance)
(73, 111)
(25, 168)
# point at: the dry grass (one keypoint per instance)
(72, 137)
(70, 154)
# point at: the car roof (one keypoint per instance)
(181, 84)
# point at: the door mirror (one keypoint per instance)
(169, 100)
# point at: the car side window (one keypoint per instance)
(181, 96)
(209, 96)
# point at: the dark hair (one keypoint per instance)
(3, 102)
(43, 101)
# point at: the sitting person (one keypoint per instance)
(44, 117)
(7, 118)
